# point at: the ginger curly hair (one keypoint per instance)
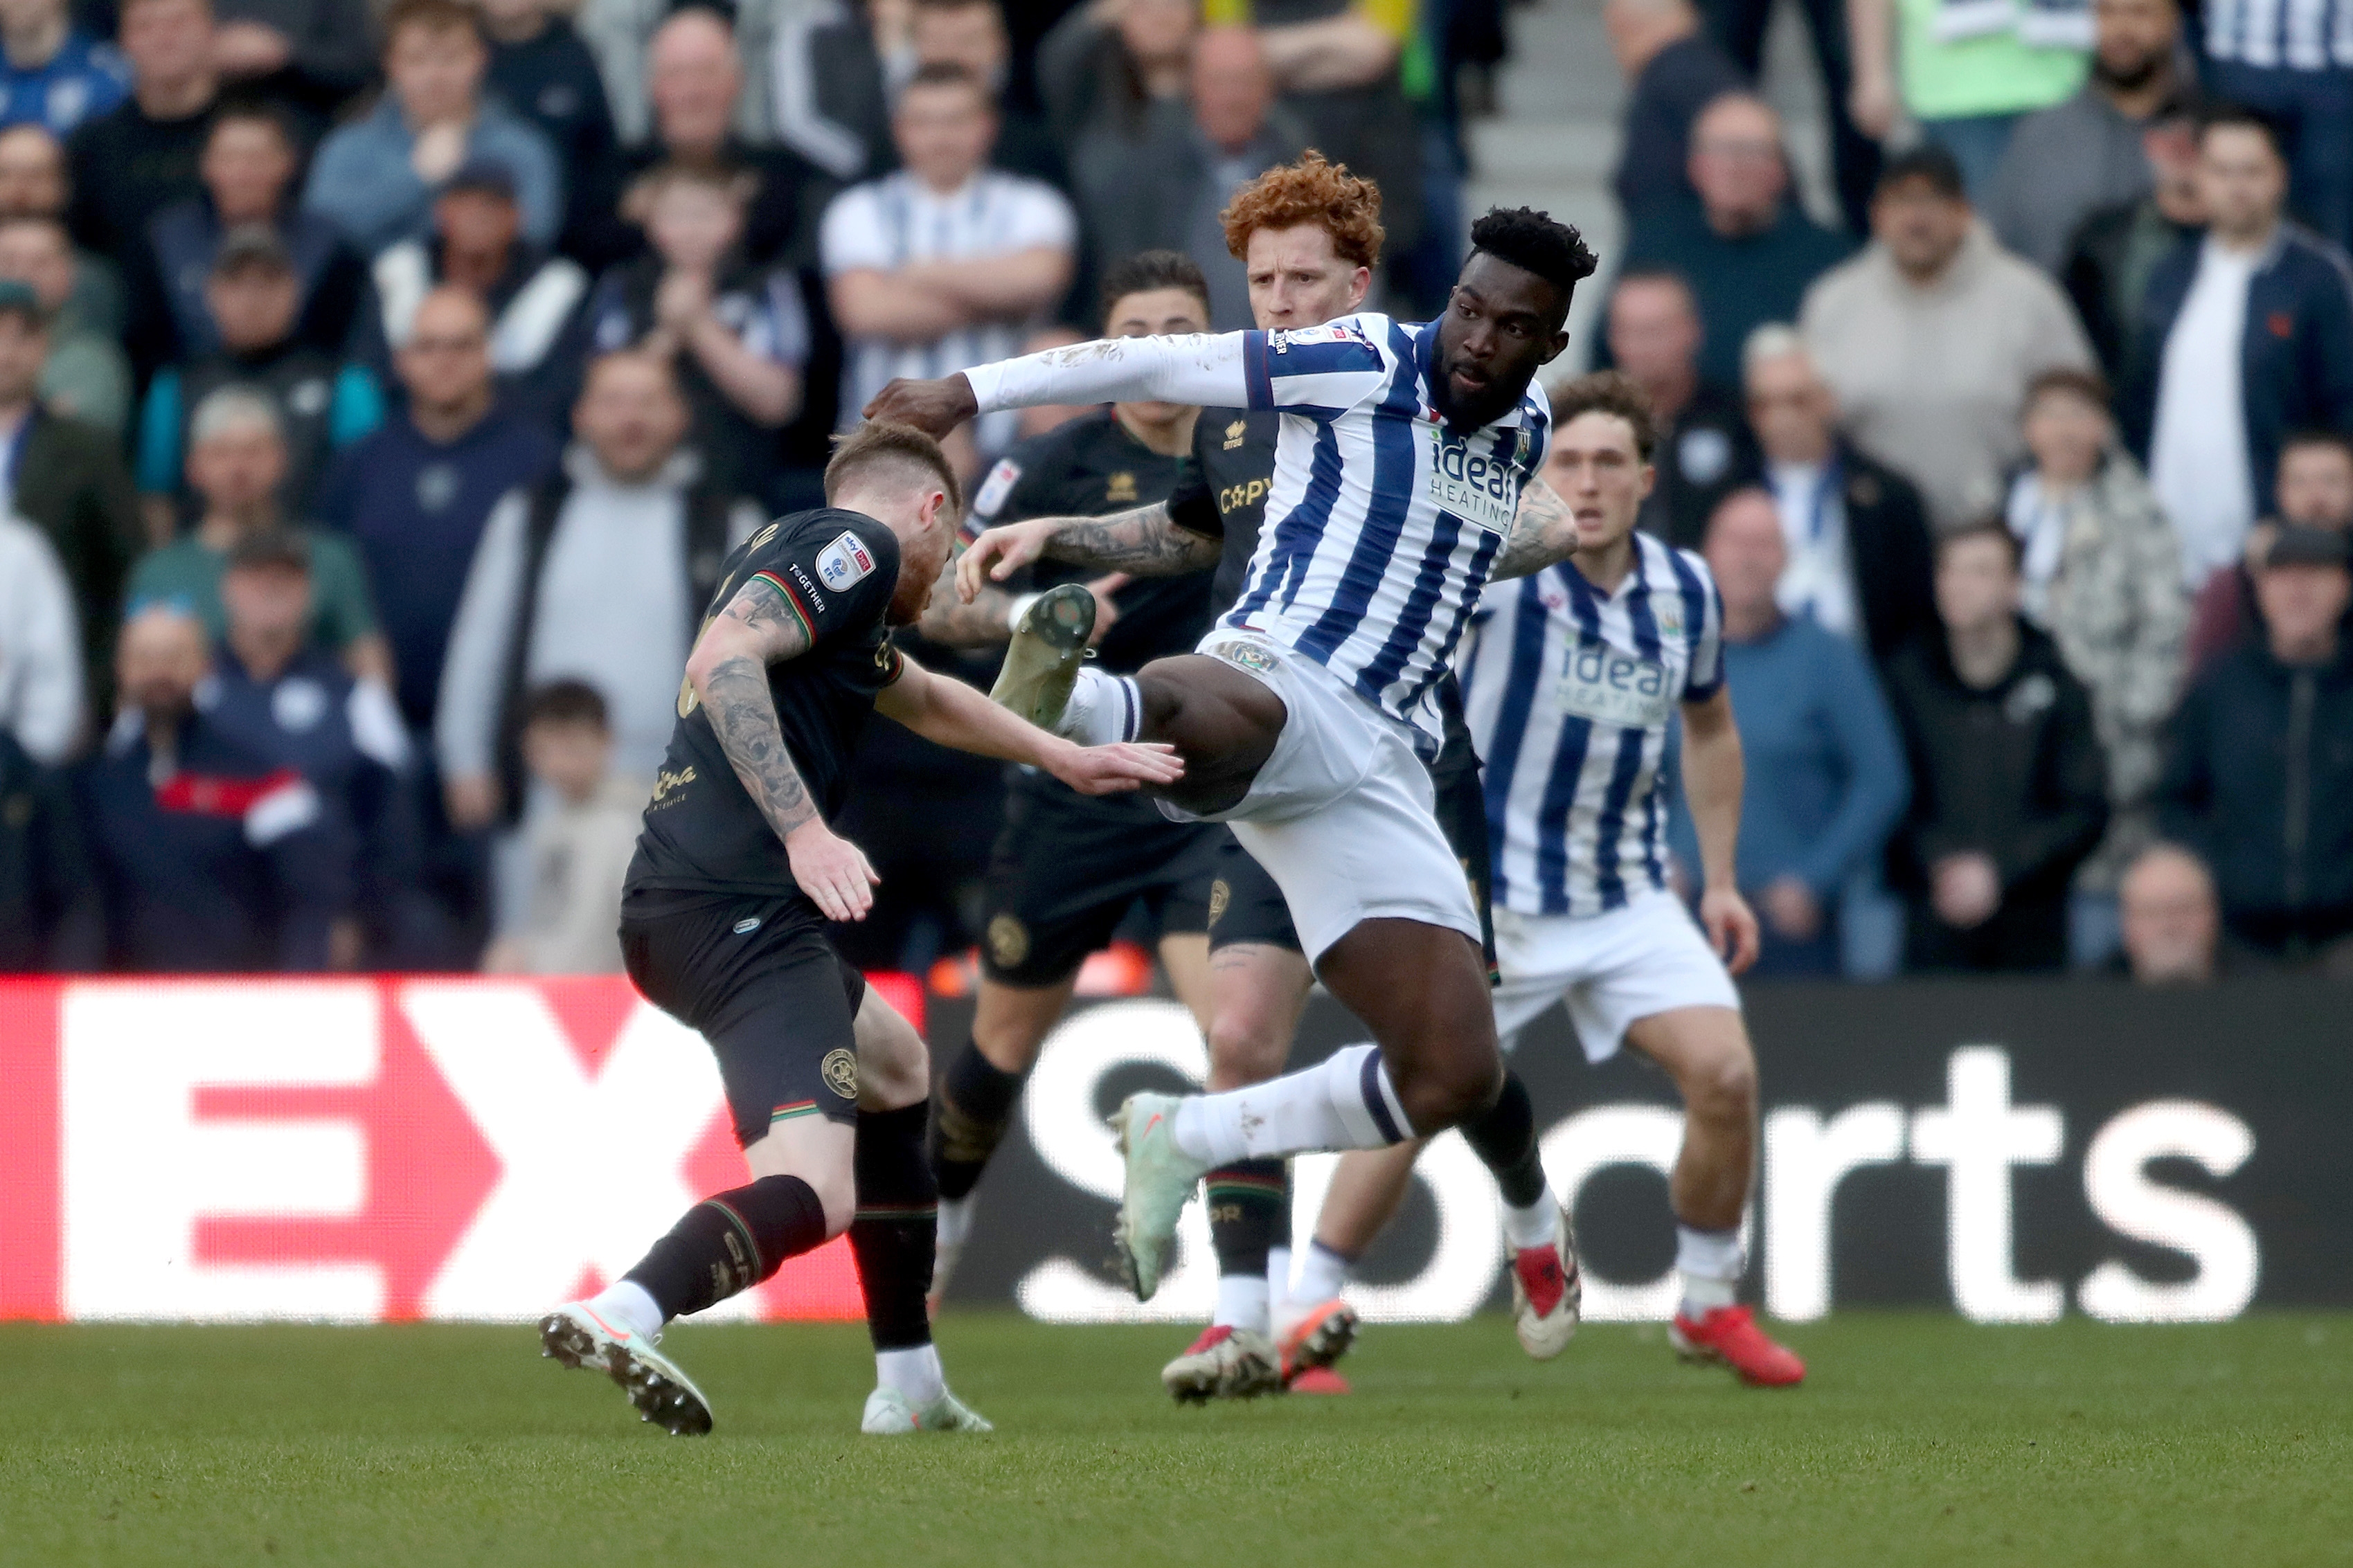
(1310, 191)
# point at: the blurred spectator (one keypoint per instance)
(695, 77)
(2315, 490)
(831, 74)
(578, 851)
(40, 646)
(376, 176)
(1855, 532)
(253, 296)
(1673, 71)
(51, 73)
(249, 161)
(2084, 155)
(1117, 74)
(2111, 255)
(2171, 922)
(1966, 74)
(43, 873)
(970, 35)
(1704, 450)
(736, 335)
(314, 53)
(1739, 25)
(33, 185)
(600, 573)
(67, 480)
(2243, 337)
(545, 73)
(139, 157)
(1825, 779)
(536, 300)
(937, 267)
(210, 857)
(2009, 791)
(236, 463)
(88, 375)
(2103, 577)
(2259, 779)
(1165, 192)
(2293, 64)
(1747, 250)
(1930, 336)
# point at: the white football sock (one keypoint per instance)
(1278, 1276)
(914, 1373)
(1346, 1102)
(1242, 1303)
(1103, 708)
(1322, 1273)
(1710, 1263)
(1531, 1226)
(627, 1304)
(956, 1220)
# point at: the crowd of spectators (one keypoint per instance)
(382, 385)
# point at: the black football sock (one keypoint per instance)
(1504, 1139)
(1248, 1205)
(974, 1107)
(730, 1242)
(897, 1225)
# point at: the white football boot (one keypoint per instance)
(890, 1414)
(577, 1336)
(1160, 1181)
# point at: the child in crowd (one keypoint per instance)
(577, 846)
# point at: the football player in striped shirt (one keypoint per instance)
(1305, 719)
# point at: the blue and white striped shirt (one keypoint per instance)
(2301, 35)
(1568, 691)
(1382, 522)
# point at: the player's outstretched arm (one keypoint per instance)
(1713, 773)
(728, 672)
(1544, 531)
(950, 713)
(1143, 541)
(1201, 368)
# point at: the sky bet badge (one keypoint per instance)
(844, 562)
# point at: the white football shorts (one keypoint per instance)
(1611, 970)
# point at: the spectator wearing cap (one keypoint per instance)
(295, 703)
(237, 464)
(376, 176)
(1930, 336)
(1747, 252)
(2259, 777)
(40, 646)
(87, 376)
(2009, 791)
(940, 265)
(736, 334)
(2171, 924)
(540, 65)
(65, 477)
(2103, 577)
(2314, 490)
(1704, 449)
(2083, 155)
(52, 74)
(538, 323)
(1966, 75)
(139, 157)
(254, 296)
(2244, 335)
(1673, 71)
(250, 158)
(1855, 532)
(1825, 781)
(210, 856)
(2113, 252)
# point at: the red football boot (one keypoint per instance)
(1729, 1336)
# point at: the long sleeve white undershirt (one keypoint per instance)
(1204, 369)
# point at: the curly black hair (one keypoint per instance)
(1532, 241)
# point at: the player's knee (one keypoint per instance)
(1245, 1049)
(837, 1193)
(1725, 1084)
(1440, 1094)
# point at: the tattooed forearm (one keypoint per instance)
(760, 604)
(987, 619)
(1542, 532)
(1145, 542)
(744, 716)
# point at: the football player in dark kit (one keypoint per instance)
(1067, 869)
(1308, 234)
(722, 925)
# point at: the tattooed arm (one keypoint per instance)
(728, 675)
(1544, 532)
(1143, 543)
(990, 617)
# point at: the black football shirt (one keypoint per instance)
(837, 571)
(1222, 492)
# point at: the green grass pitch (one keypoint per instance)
(1920, 1440)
